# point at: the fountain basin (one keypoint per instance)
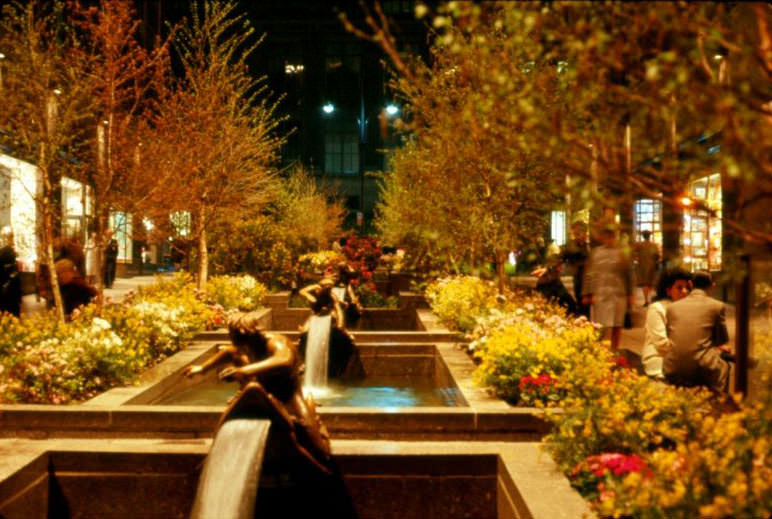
(149, 479)
(395, 376)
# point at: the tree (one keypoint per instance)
(46, 106)
(617, 96)
(124, 78)
(466, 180)
(216, 129)
(301, 217)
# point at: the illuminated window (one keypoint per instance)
(341, 153)
(76, 208)
(648, 217)
(558, 227)
(702, 232)
(293, 68)
(120, 223)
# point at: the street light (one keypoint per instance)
(392, 110)
(328, 108)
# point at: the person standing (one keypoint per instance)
(575, 254)
(646, 256)
(673, 286)
(91, 250)
(10, 281)
(111, 259)
(608, 285)
(696, 329)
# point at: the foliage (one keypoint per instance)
(243, 292)
(465, 179)
(521, 365)
(632, 446)
(369, 297)
(216, 131)
(313, 264)
(124, 78)
(459, 301)
(301, 218)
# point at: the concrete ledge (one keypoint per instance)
(422, 480)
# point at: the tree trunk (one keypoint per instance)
(48, 238)
(203, 257)
(501, 274)
(101, 245)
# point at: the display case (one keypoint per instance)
(702, 230)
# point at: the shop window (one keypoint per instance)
(648, 217)
(120, 223)
(558, 227)
(76, 208)
(702, 232)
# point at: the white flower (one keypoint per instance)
(101, 323)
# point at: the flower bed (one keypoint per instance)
(633, 447)
(45, 361)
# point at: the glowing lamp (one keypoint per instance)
(328, 108)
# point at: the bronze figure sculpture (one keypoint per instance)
(268, 368)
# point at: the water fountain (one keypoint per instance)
(268, 368)
(228, 484)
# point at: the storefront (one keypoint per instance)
(648, 217)
(18, 187)
(702, 230)
(77, 209)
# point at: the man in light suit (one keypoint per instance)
(696, 327)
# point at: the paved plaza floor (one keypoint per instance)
(120, 288)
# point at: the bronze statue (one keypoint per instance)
(268, 368)
(343, 359)
(323, 300)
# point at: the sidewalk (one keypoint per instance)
(120, 288)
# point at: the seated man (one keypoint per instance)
(696, 328)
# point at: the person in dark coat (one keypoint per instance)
(111, 258)
(10, 281)
(575, 254)
(74, 288)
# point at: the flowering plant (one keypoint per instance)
(538, 389)
(459, 301)
(313, 264)
(45, 361)
(243, 292)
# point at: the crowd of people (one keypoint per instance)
(686, 339)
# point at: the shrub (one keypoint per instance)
(243, 292)
(524, 363)
(370, 298)
(459, 301)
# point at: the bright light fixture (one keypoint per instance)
(392, 109)
(328, 108)
(686, 201)
(57, 91)
(2, 56)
